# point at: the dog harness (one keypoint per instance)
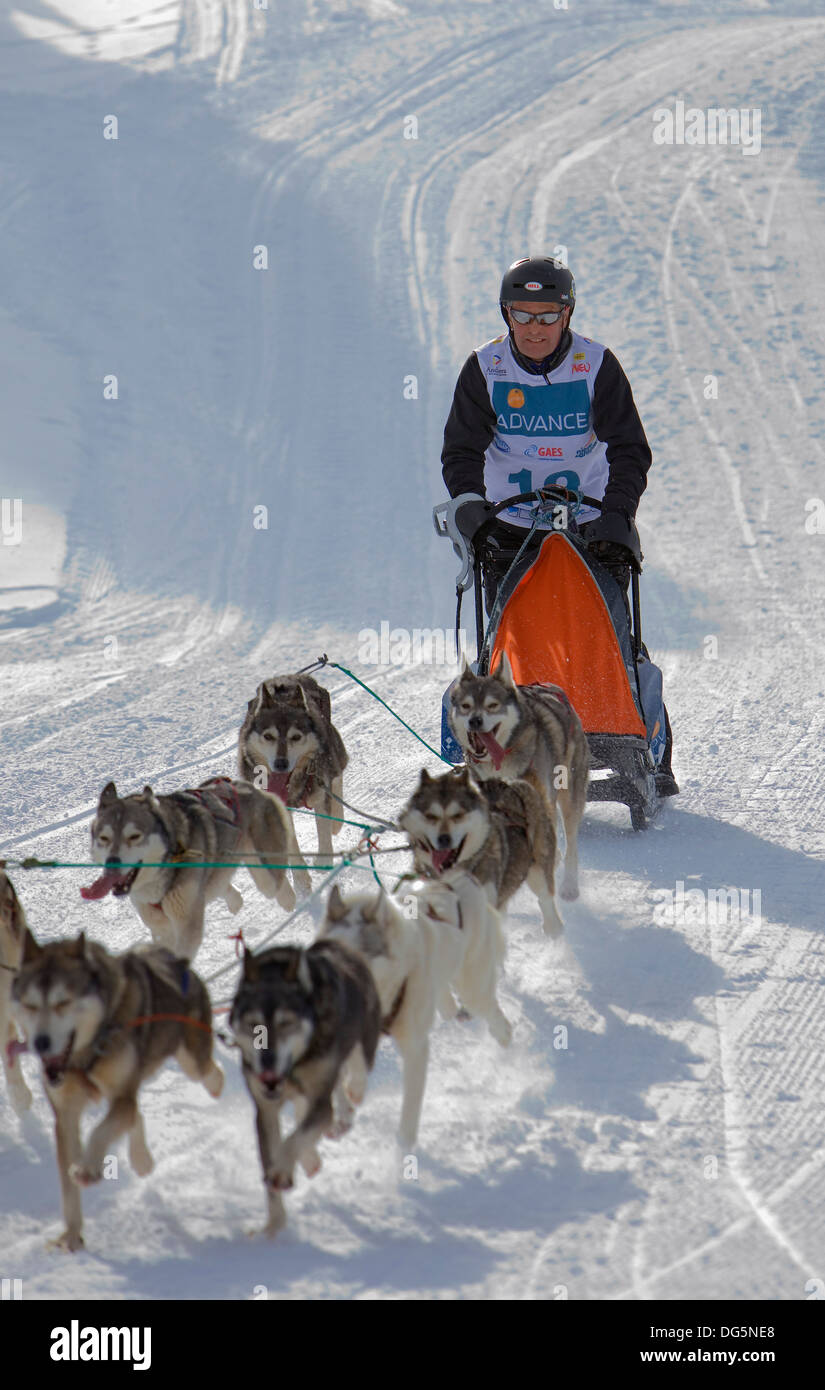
(387, 1023)
(224, 791)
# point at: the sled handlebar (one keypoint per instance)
(554, 492)
(445, 525)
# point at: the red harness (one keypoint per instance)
(225, 791)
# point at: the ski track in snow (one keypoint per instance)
(577, 1172)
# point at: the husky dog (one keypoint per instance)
(531, 732)
(101, 1026)
(501, 832)
(218, 821)
(308, 1024)
(13, 930)
(288, 730)
(455, 937)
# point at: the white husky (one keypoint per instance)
(454, 938)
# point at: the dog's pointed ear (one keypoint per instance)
(108, 795)
(504, 671)
(336, 907)
(372, 910)
(265, 699)
(425, 779)
(251, 969)
(77, 947)
(466, 672)
(151, 800)
(32, 950)
(384, 907)
(298, 970)
(462, 774)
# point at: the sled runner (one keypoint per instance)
(561, 618)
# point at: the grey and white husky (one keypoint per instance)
(101, 1025)
(13, 930)
(220, 822)
(501, 832)
(454, 939)
(529, 731)
(288, 736)
(307, 1023)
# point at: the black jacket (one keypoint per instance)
(472, 422)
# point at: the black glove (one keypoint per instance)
(471, 515)
(613, 538)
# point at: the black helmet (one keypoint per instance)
(540, 278)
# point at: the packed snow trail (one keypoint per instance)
(673, 1148)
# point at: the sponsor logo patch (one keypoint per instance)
(533, 285)
(581, 367)
(560, 409)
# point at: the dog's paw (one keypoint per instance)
(280, 1179)
(21, 1098)
(142, 1161)
(69, 1240)
(502, 1030)
(213, 1081)
(448, 1006)
(311, 1163)
(233, 899)
(84, 1177)
(569, 892)
(341, 1125)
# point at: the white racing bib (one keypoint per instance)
(543, 427)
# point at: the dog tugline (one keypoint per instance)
(545, 459)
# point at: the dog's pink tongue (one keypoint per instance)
(497, 753)
(440, 857)
(100, 887)
(278, 782)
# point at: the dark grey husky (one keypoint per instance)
(308, 1024)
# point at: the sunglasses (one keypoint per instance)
(521, 316)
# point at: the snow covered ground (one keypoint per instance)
(675, 1149)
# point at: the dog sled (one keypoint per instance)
(562, 619)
